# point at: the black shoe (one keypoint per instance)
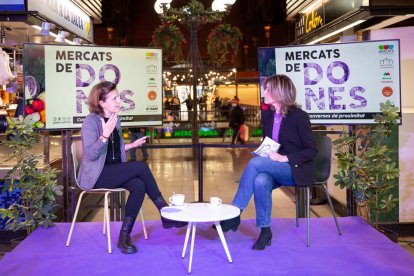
(168, 223)
(124, 241)
(264, 239)
(228, 224)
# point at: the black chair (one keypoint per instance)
(322, 163)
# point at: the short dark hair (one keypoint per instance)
(99, 92)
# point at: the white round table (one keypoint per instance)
(201, 212)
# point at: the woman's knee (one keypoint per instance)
(263, 181)
(255, 162)
(135, 185)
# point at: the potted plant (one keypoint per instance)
(38, 186)
(367, 166)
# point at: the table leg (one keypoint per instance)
(223, 240)
(192, 246)
(187, 234)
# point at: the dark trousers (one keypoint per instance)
(235, 135)
(136, 177)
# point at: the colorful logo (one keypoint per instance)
(387, 91)
(386, 49)
(152, 95)
(151, 56)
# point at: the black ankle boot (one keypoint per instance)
(124, 241)
(264, 239)
(167, 223)
(160, 202)
(228, 224)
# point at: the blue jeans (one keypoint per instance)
(134, 135)
(260, 177)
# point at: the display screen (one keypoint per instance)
(12, 5)
(58, 79)
(342, 83)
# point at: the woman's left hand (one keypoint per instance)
(139, 142)
(278, 157)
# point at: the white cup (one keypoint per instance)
(177, 199)
(216, 201)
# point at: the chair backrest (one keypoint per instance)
(322, 160)
(77, 154)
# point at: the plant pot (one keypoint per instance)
(11, 236)
(388, 233)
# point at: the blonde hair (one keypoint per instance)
(99, 92)
(282, 88)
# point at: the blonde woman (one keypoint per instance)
(292, 165)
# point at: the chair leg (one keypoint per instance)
(74, 218)
(144, 229)
(104, 221)
(332, 209)
(308, 214)
(108, 230)
(297, 207)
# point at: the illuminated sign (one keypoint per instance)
(309, 22)
(66, 14)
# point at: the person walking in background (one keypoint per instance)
(104, 161)
(287, 124)
(217, 105)
(236, 120)
(135, 134)
(189, 104)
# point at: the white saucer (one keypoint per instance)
(178, 206)
(214, 205)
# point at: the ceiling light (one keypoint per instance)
(61, 36)
(76, 41)
(46, 26)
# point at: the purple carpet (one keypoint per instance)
(361, 250)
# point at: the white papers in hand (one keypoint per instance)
(268, 145)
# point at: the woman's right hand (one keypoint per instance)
(108, 127)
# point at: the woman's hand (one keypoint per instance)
(278, 157)
(139, 142)
(108, 127)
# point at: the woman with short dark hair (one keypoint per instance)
(104, 161)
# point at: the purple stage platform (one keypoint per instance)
(361, 250)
